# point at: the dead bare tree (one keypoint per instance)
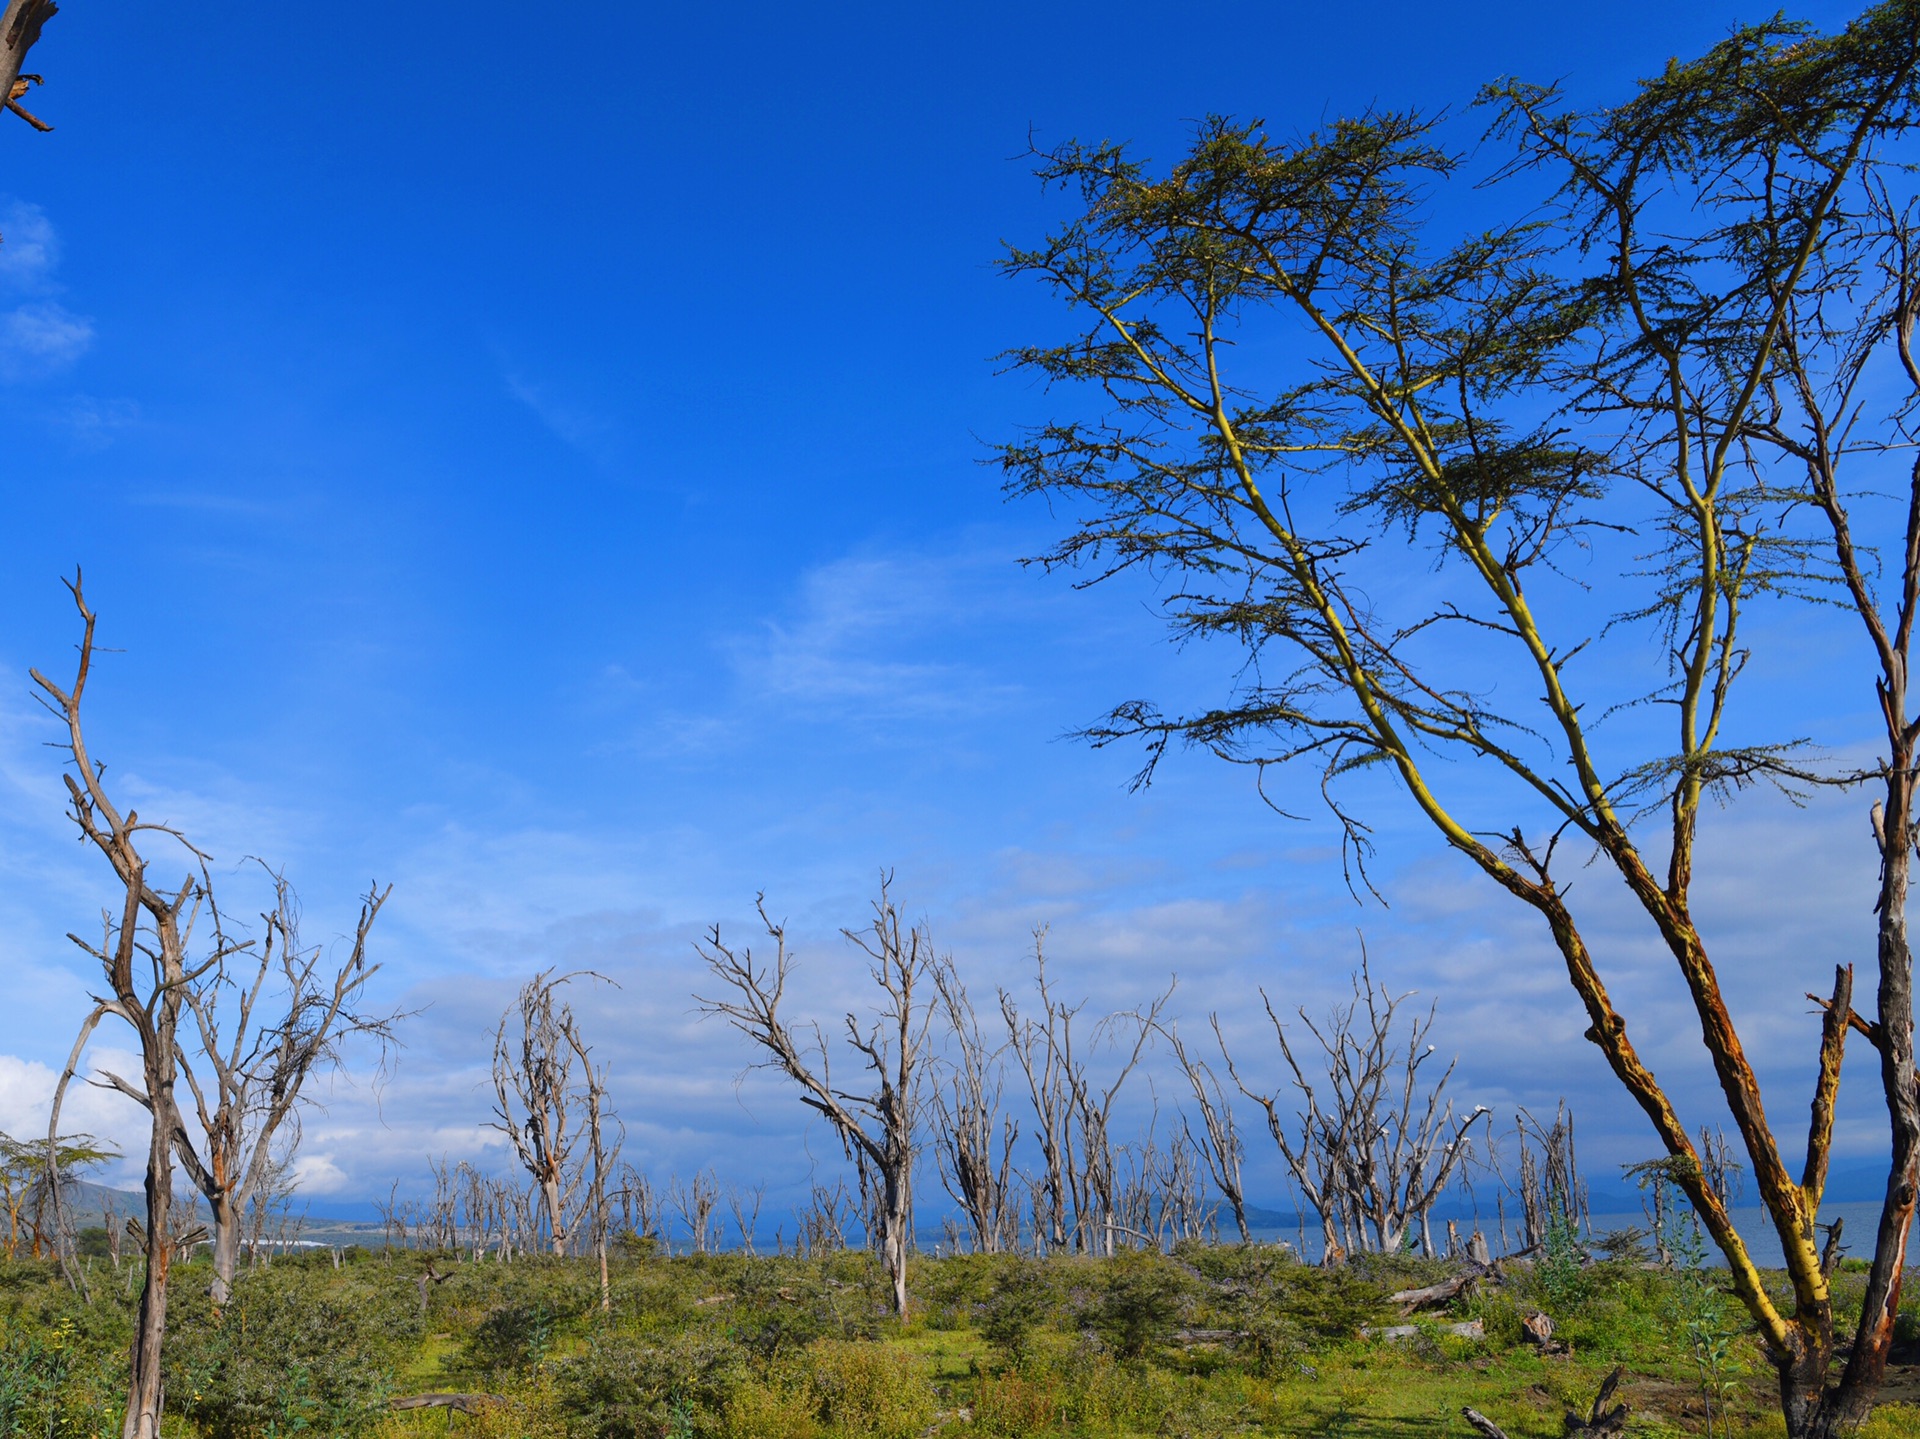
(1218, 1142)
(1044, 1051)
(1093, 1185)
(147, 955)
(876, 1126)
(1379, 1153)
(1072, 1112)
(247, 1105)
(602, 1153)
(640, 1206)
(822, 1226)
(696, 1201)
(971, 1124)
(535, 1102)
(745, 1206)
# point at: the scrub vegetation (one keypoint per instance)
(1207, 1340)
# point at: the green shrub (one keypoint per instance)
(871, 1392)
(280, 1358)
(1016, 1302)
(1106, 1397)
(1140, 1301)
(51, 1387)
(1016, 1404)
(623, 1383)
(779, 1407)
(510, 1339)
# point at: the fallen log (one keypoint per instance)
(1485, 1425)
(461, 1403)
(1400, 1333)
(1443, 1292)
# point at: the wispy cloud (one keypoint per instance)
(573, 424)
(39, 337)
(90, 421)
(875, 637)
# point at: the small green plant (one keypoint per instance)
(1561, 1271)
(1016, 1302)
(1699, 1311)
(511, 1337)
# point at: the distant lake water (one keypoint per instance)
(1856, 1238)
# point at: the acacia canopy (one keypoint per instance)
(1668, 360)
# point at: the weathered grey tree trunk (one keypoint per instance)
(20, 26)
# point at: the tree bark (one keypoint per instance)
(144, 1394)
(225, 1246)
(20, 26)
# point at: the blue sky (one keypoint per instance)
(536, 460)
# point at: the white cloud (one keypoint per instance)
(41, 338)
(91, 421)
(29, 248)
(26, 1098)
(318, 1174)
(38, 337)
(863, 632)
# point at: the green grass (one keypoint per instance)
(736, 1348)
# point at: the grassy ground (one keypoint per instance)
(1215, 1341)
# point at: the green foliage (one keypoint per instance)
(1018, 1299)
(512, 1337)
(625, 1383)
(284, 1357)
(1141, 1300)
(729, 1347)
(51, 1387)
(868, 1390)
(1561, 1271)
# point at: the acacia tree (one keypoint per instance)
(876, 1126)
(1504, 398)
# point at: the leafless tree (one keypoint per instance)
(269, 1208)
(696, 1201)
(1072, 1111)
(150, 962)
(1218, 1142)
(535, 1103)
(640, 1206)
(967, 1103)
(877, 1125)
(823, 1224)
(1381, 1148)
(1093, 1184)
(603, 1148)
(745, 1205)
(1044, 1050)
(256, 1073)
